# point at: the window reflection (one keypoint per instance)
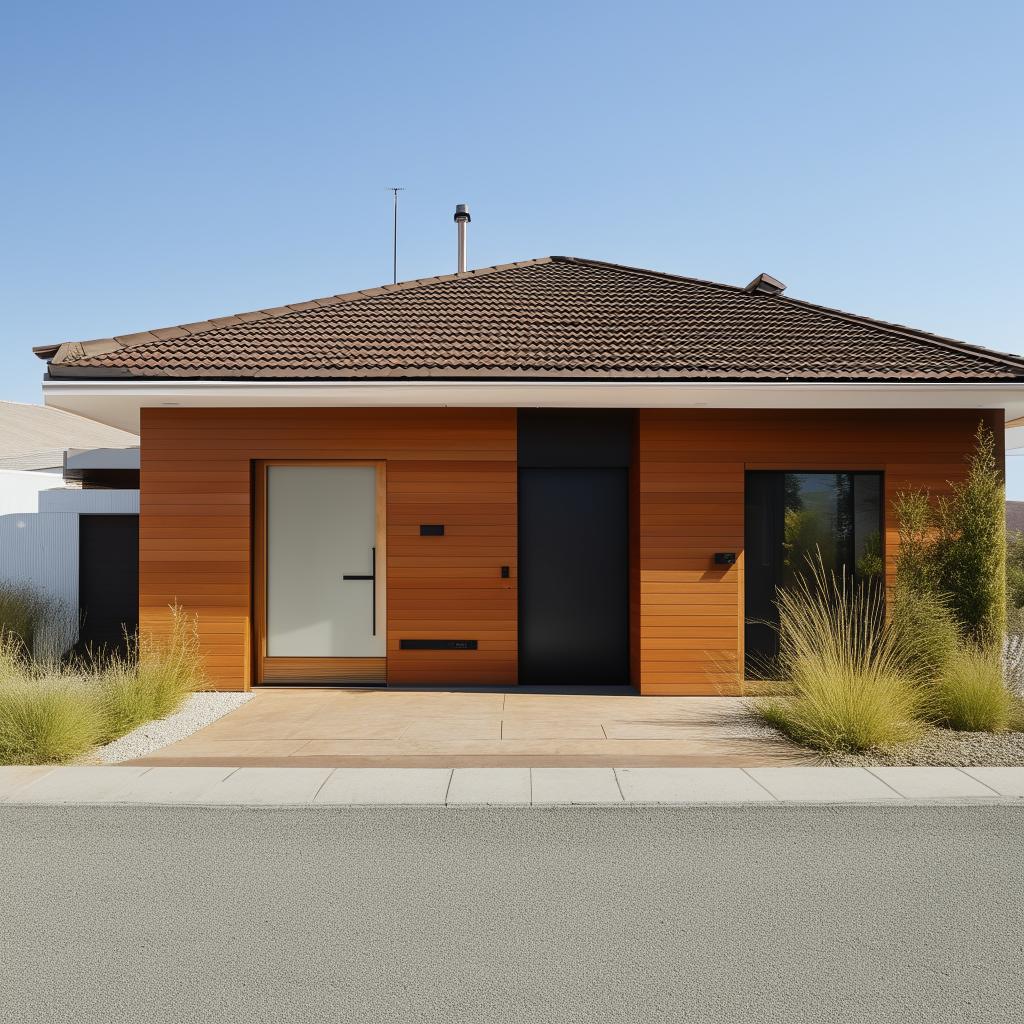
(793, 517)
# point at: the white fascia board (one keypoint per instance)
(118, 403)
(102, 458)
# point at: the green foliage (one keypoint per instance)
(971, 545)
(928, 630)
(970, 693)
(25, 612)
(851, 689)
(916, 568)
(170, 666)
(871, 565)
(805, 531)
(152, 682)
(956, 546)
(45, 715)
(45, 721)
(1014, 573)
(50, 714)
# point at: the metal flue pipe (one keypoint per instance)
(462, 218)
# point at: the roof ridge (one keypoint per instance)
(68, 351)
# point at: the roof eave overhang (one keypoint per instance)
(119, 402)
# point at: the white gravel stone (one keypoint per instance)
(196, 713)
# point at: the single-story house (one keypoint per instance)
(556, 471)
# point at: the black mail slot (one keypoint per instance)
(437, 645)
(725, 558)
(432, 529)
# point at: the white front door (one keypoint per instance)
(324, 578)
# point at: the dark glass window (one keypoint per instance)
(789, 518)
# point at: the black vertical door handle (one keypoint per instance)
(372, 577)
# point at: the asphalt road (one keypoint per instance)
(758, 914)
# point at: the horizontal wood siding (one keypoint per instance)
(689, 478)
(458, 467)
(451, 466)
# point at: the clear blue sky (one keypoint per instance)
(170, 162)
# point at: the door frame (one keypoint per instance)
(314, 670)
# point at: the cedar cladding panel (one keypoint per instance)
(451, 466)
(690, 482)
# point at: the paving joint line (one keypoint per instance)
(888, 785)
(312, 799)
(973, 779)
(618, 783)
(758, 782)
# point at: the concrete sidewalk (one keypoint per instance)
(247, 786)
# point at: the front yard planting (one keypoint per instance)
(936, 680)
(53, 711)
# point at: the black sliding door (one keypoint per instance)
(574, 547)
(792, 519)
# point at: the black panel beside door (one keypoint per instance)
(574, 575)
(108, 580)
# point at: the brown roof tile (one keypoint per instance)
(550, 318)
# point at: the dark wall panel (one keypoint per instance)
(575, 437)
(574, 576)
(108, 579)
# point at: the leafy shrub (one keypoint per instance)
(971, 547)
(1014, 581)
(847, 671)
(916, 567)
(956, 546)
(970, 693)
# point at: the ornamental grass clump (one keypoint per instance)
(929, 636)
(26, 614)
(53, 712)
(46, 715)
(152, 681)
(970, 693)
(850, 687)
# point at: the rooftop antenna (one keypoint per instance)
(394, 237)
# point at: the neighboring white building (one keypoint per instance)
(56, 470)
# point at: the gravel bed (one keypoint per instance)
(943, 747)
(196, 713)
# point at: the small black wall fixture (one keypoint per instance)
(432, 529)
(725, 558)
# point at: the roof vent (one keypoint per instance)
(462, 218)
(765, 284)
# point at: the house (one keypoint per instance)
(69, 505)
(558, 471)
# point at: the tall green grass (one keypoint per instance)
(41, 623)
(52, 713)
(46, 716)
(850, 686)
(970, 693)
(152, 681)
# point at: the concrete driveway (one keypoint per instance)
(459, 728)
